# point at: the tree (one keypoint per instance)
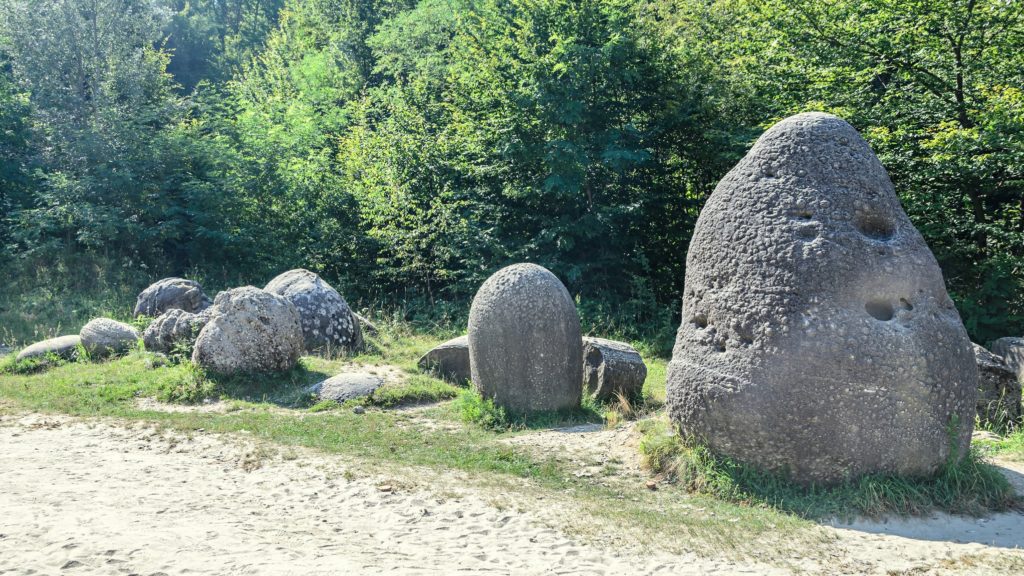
(15, 180)
(211, 39)
(568, 128)
(935, 88)
(120, 175)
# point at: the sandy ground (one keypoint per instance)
(100, 498)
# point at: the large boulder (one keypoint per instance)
(449, 360)
(999, 391)
(327, 321)
(525, 347)
(104, 337)
(349, 386)
(174, 328)
(611, 369)
(250, 330)
(65, 347)
(171, 294)
(1011, 350)
(817, 335)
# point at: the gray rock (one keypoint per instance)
(104, 337)
(171, 294)
(350, 386)
(817, 334)
(1012, 352)
(174, 328)
(327, 321)
(611, 368)
(65, 347)
(449, 360)
(999, 391)
(250, 330)
(525, 346)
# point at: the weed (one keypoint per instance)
(190, 387)
(473, 408)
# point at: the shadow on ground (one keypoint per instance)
(1004, 530)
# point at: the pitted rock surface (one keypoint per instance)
(104, 337)
(327, 321)
(817, 334)
(173, 328)
(63, 347)
(449, 360)
(250, 330)
(611, 368)
(525, 344)
(999, 391)
(171, 294)
(351, 386)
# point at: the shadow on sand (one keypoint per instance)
(1005, 530)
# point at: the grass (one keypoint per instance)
(710, 505)
(968, 486)
(1009, 447)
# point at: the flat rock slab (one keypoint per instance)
(449, 360)
(349, 386)
(63, 347)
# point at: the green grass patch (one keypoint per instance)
(968, 486)
(472, 408)
(1008, 447)
(417, 389)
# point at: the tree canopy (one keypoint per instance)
(406, 149)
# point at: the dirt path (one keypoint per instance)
(95, 498)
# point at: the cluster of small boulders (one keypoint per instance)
(242, 330)
(817, 336)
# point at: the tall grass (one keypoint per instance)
(965, 485)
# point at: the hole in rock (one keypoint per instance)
(875, 226)
(700, 321)
(880, 310)
(906, 305)
(803, 214)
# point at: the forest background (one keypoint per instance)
(406, 150)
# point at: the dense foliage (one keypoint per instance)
(407, 149)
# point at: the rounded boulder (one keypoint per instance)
(250, 330)
(817, 337)
(449, 360)
(104, 337)
(174, 328)
(171, 294)
(327, 321)
(525, 344)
